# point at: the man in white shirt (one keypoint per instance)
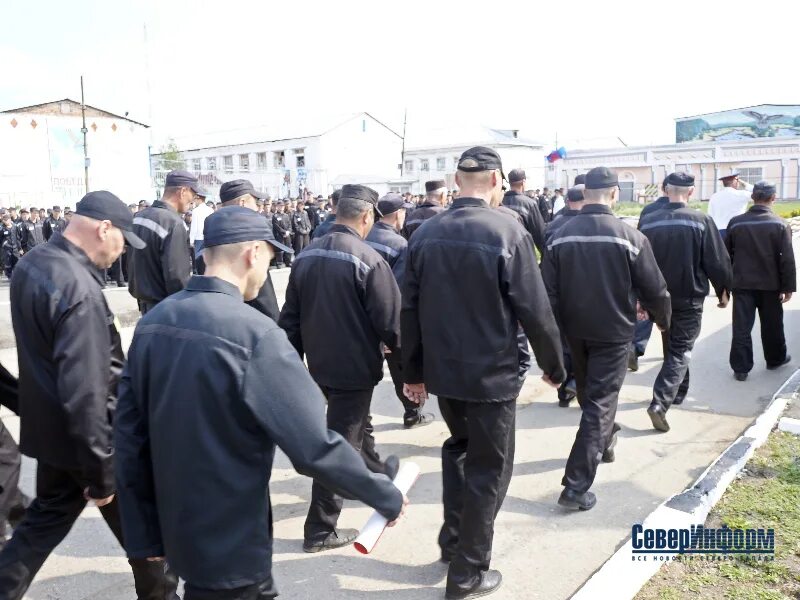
(558, 201)
(199, 214)
(728, 202)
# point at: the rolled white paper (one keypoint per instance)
(371, 532)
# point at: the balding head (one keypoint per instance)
(100, 240)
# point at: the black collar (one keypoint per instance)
(760, 208)
(339, 228)
(386, 226)
(161, 204)
(59, 241)
(596, 209)
(463, 201)
(207, 283)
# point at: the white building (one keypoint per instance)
(42, 155)
(434, 155)
(282, 159)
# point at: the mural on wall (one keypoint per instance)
(767, 120)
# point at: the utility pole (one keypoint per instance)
(84, 131)
(403, 151)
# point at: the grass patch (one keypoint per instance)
(766, 496)
(783, 208)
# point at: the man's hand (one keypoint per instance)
(641, 314)
(724, 299)
(402, 512)
(785, 297)
(550, 382)
(98, 502)
(415, 392)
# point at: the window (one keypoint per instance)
(751, 175)
(244, 162)
(278, 160)
(300, 157)
(261, 161)
(409, 166)
(196, 164)
(440, 164)
(227, 163)
(212, 163)
(423, 165)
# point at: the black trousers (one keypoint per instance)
(265, 590)
(396, 371)
(348, 415)
(672, 382)
(58, 504)
(477, 462)
(12, 500)
(569, 381)
(301, 240)
(770, 313)
(600, 369)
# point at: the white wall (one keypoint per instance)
(361, 146)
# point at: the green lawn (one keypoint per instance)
(786, 209)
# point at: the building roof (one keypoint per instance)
(55, 108)
(460, 136)
(309, 126)
(736, 109)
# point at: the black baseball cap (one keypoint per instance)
(231, 190)
(516, 175)
(180, 178)
(764, 188)
(575, 194)
(680, 179)
(363, 193)
(105, 206)
(391, 203)
(600, 178)
(235, 224)
(480, 158)
(580, 179)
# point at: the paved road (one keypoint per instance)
(542, 551)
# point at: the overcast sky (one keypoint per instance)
(586, 71)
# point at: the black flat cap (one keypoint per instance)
(58, 208)
(235, 224)
(680, 179)
(231, 190)
(764, 188)
(24, 211)
(580, 180)
(391, 203)
(180, 178)
(575, 194)
(600, 178)
(105, 206)
(516, 175)
(363, 193)
(480, 158)
(435, 184)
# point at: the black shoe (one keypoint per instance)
(572, 499)
(417, 419)
(566, 393)
(121, 284)
(335, 539)
(740, 376)
(609, 455)
(490, 581)
(785, 361)
(658, 416)
(633, 361)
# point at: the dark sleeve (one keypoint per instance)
(176, 263)
(267, 302)
(651, 289)
(288, 405)
(276, 230)
(550, 279)
(729, 245)
(399, 267)
(716, 262)
(46, 230)
(16, 241)
(81, 353)
(134, 473)
(525, 289)
(289, 319)
(411, 333)
(9, 390)
(788, 272)
(382, 303)
(535, 226)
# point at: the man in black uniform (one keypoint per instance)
(435, 200)
(217, 531)
(764, 278)
(342, 303)
(10, 244)
(689, 251)
(516, 200)
(596, 308)
(26, 232)
(301, 227)
(480, 264)
(53, 224)
(12, 501)
(546, 206)
(282, 229)
(165, 265)
(70, 359)
(385, 239)
(330, 219)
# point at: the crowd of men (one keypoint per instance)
(210, 387)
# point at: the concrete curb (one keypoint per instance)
(620, 577)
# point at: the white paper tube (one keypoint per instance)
(371, 532)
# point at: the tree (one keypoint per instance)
(169, 158)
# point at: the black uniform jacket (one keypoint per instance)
(657, 204)
(688, 249)
(281, 225)
(471, 279)
(760, 246)
(210, 388)
(418, 216)
(10, 241)
(30, 235)
(342, 301)
(70, 359)
(392, 246)
(324, 227)
(531, 217)
(165, 265)
(595, 268)
(266, 302)
(9, 390)
(51, 226)
(300, 222)
(562, 218)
